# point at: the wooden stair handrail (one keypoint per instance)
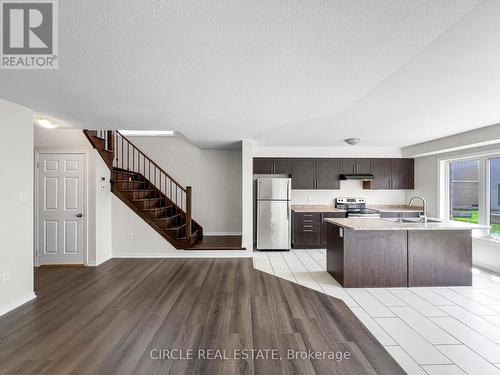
(112, 148)
(152, 161)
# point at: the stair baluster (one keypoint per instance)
(151, 188)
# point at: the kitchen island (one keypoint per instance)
(399, 253)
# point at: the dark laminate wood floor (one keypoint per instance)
(106, 320)
(218, 243)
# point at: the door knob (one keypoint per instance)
(79, 215)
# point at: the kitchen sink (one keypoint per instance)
(411, 220)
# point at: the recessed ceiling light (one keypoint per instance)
(352, 141)
(46, 123)
(148, 133)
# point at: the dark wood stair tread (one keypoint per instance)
(217, 243)
(157, 208)
(123, 181)
(178, 227)
(167, 217)
(122, 171)
(169, 220)
(136, 190)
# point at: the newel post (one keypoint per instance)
(188, 211)
(111, 146)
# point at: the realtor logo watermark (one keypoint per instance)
(29, 34)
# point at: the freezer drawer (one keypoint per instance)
(273, 225)
(273, 188)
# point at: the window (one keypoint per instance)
(464, 191)
(495, 197)
(473, 192)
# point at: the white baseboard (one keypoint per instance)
(93, 263)
(222, 233)
(15, 304)
(189, 254)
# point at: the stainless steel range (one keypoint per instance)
(356, 207)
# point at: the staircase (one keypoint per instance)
(147, 189)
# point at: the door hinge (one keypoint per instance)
(37, 164)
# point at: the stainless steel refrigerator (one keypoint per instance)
(273, 213)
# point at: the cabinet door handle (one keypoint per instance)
(307, 230)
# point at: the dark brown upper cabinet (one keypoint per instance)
(304, 174)
(382, 170)
(327, 174)
(403, 173)
(272, 166)
(309, 174)
(355, 166)
(392, 174)
(324, 173)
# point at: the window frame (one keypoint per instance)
(484, 188)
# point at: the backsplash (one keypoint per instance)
(349, 188)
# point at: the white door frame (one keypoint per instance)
(85, 154)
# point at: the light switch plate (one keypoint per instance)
(5, 277)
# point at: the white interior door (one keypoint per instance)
(61, 209)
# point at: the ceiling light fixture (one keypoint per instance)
(148, 133)
(46, 123)
(352, 141)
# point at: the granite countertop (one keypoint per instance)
(331, 208)
(315, 208)
(381, 224)
(395, 208)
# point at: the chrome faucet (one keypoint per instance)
(423, 216)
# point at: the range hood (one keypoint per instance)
(357, 176)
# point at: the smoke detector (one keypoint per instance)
(352, 141)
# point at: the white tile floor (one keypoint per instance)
(435, 331)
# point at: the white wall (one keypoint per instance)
(349, 188)
(486, 253)
(489, 135)
(427, 174)
(132, 236)
(103, 218)
(357, 151)
(215, 176)
(98, 200)
(247, 194)
(16, 201)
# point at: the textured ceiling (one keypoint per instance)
(280, 72)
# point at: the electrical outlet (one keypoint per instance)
(23, 196)
(5, 277)
(130, 236)
(309, 198)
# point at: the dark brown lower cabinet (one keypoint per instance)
(399, 258)
(306, 230)
(309, 229)
(325, 215)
